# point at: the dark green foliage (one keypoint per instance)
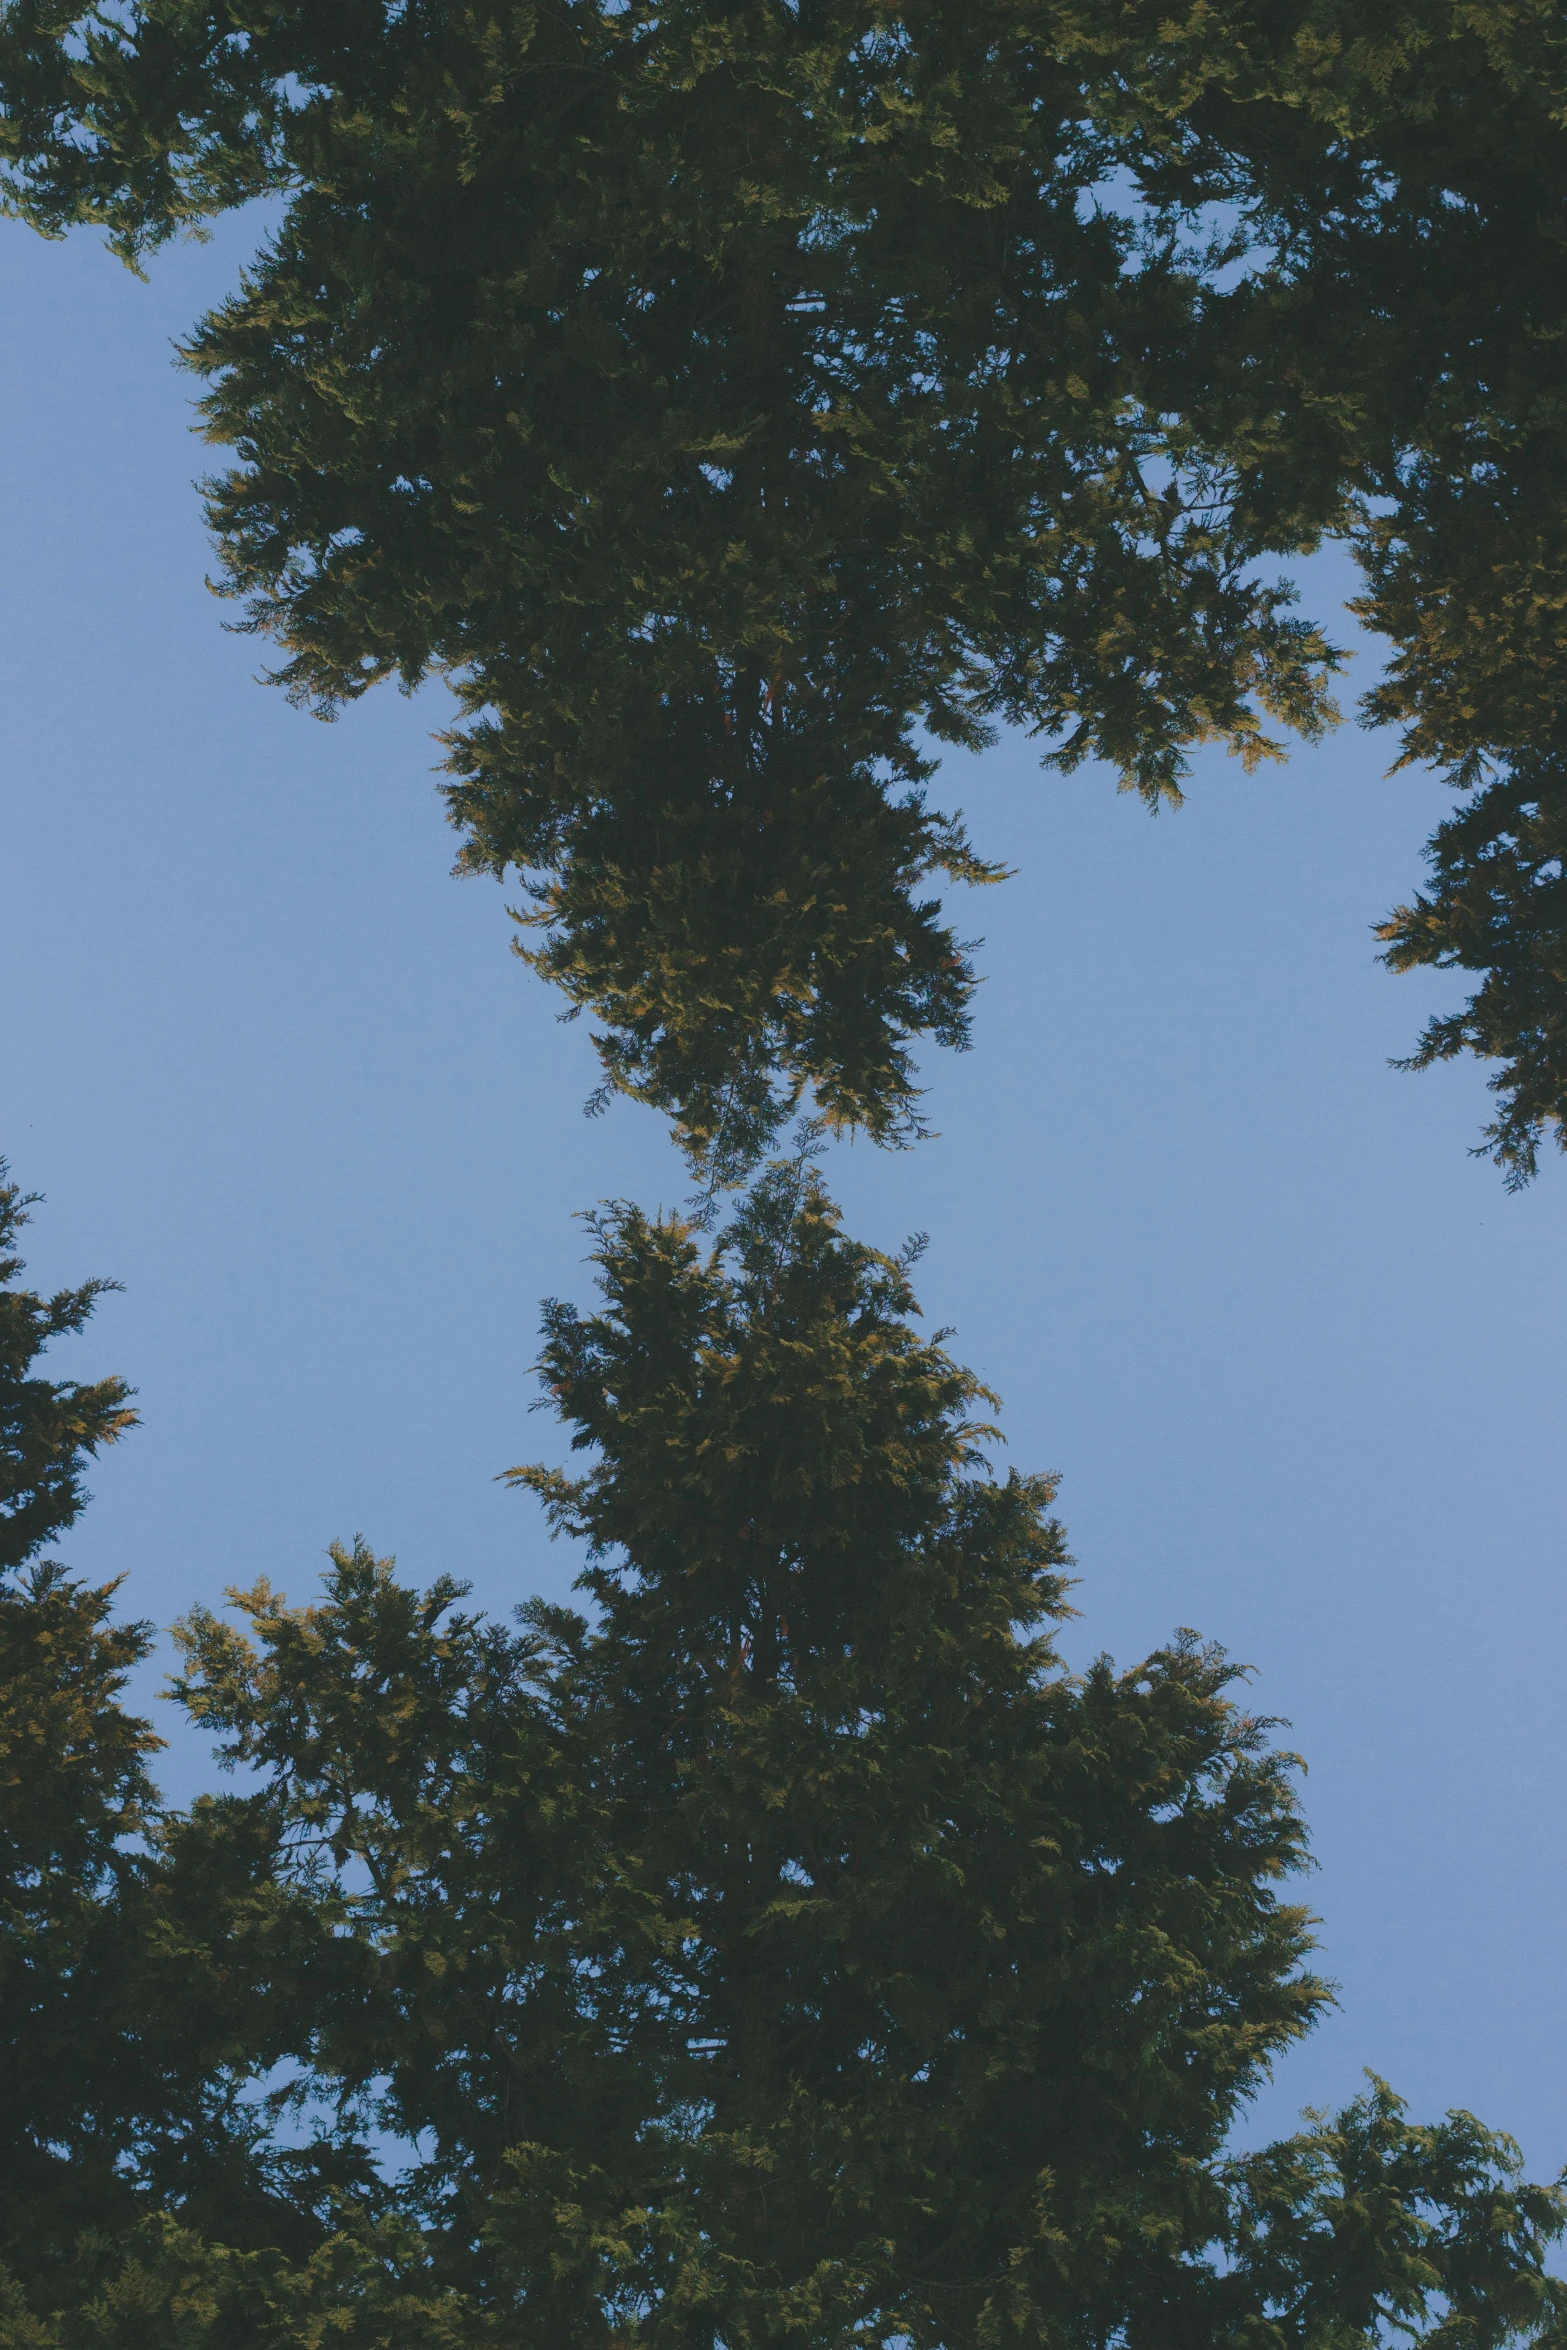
(677, 389)
(73, 1776)
(948, 2066)
(791, 1952)
(49, 1428)
(73, 1789)
(125, 2058)
(413, 1756)
(1366, 2225)
(723, 399)
(163, 2287)
(794, 1951)
(1498, 905)
(729, 404)
(719, 403)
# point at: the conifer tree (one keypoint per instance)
(49, 1428)
(73, 1773)
(126, 2057)
(788, 1950)
(791, 1950)
(731, 402)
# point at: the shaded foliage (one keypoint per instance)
(127, 2054)
(730, 401)
(49, 1428)
(1498, 905)
(792, 1949)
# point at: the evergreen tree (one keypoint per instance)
(128, 2062)
(792, 1951)
(73, 1775)
(730, 400)
(49, 1429)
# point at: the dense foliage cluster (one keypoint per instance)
(790, 1950)
(734, 403)
(786, 1952)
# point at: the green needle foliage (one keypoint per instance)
(791, 1951)
(731, 404)
(49, 1428)
(126, 2057)
(73, 1775)
(163, 2286)
(1498, 905)
(733, 401)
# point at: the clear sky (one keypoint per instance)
(1300, 1358)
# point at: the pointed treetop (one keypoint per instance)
(49, 1428)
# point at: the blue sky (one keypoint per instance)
(1298, 1356)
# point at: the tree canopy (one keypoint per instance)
(736, 403)
(128, 2060)
(788, 1949)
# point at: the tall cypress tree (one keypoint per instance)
(973, 1960)
(791, 1950)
